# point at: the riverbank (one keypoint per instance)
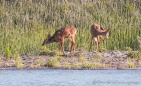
(79, 60)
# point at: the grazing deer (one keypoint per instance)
(60, 35)
(139, 41)
(97, 32)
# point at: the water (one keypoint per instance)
(55, 77)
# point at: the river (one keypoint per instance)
(58, 77)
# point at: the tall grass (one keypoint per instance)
(24, 24)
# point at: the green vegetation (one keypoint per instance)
(19, 64)
(53, 62)
(46, 51)
(131, 63)
(135, 54)
(24, 24)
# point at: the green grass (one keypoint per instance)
(24, 24)
(131, 64)
(53, 62)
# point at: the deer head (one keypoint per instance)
(46, 41)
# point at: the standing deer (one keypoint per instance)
(60, 35)
(97, 32)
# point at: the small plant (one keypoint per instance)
(81, 59)
(35, 66)
(131, 64)
(97, 55)
(32, 66)
(103, 50)
(59, 58)
(38, 61)
(134, 54)
(76, 66)
(67, 65)
(46, 51)
(7, 53)
(16, 56)
(53, 62)
(88, 65)
(128, 49)
(19, 63)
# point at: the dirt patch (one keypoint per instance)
(78, 60)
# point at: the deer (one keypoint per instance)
(60, 35)
(97, 32)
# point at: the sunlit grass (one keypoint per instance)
(24, 24)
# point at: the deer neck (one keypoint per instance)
(54, 39)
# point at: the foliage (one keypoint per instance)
(46, 51)
(53, 62)
(16, 56)
(88, 65)
(7, 53)
(81, 59)
(129, 49)
(131, 63)
(19, 63)
(134, 54)
(97, 55)
(24, 24)
(67, 65)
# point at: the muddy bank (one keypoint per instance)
(78, 60)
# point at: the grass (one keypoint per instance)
(131, 63)
(97, 55)
(76, 66)
(19, 64)
(24, 24)
(67, 65)
(134, 54)
(53, 62)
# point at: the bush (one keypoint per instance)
(53, 62)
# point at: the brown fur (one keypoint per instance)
(60, 35)
(97, 32)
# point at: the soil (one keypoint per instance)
(79, 60)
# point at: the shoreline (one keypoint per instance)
(63, 69)
(80, 60)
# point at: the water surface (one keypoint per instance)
(55, 77)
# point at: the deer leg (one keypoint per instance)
(97, 43)
(62, 46)
(91, 44)
(72, 44)
(101, 38)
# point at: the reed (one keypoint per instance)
(24, 24)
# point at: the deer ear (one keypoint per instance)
(108, 30)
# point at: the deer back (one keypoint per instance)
(95, 29)
(65, 32)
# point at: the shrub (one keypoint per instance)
(67, 65)
(16, 56)
(19, 63)
(7, 53)
(97, 55)
(53, 62)
(88, 65)
(46, 51)
(134, 54)
(81, 59)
